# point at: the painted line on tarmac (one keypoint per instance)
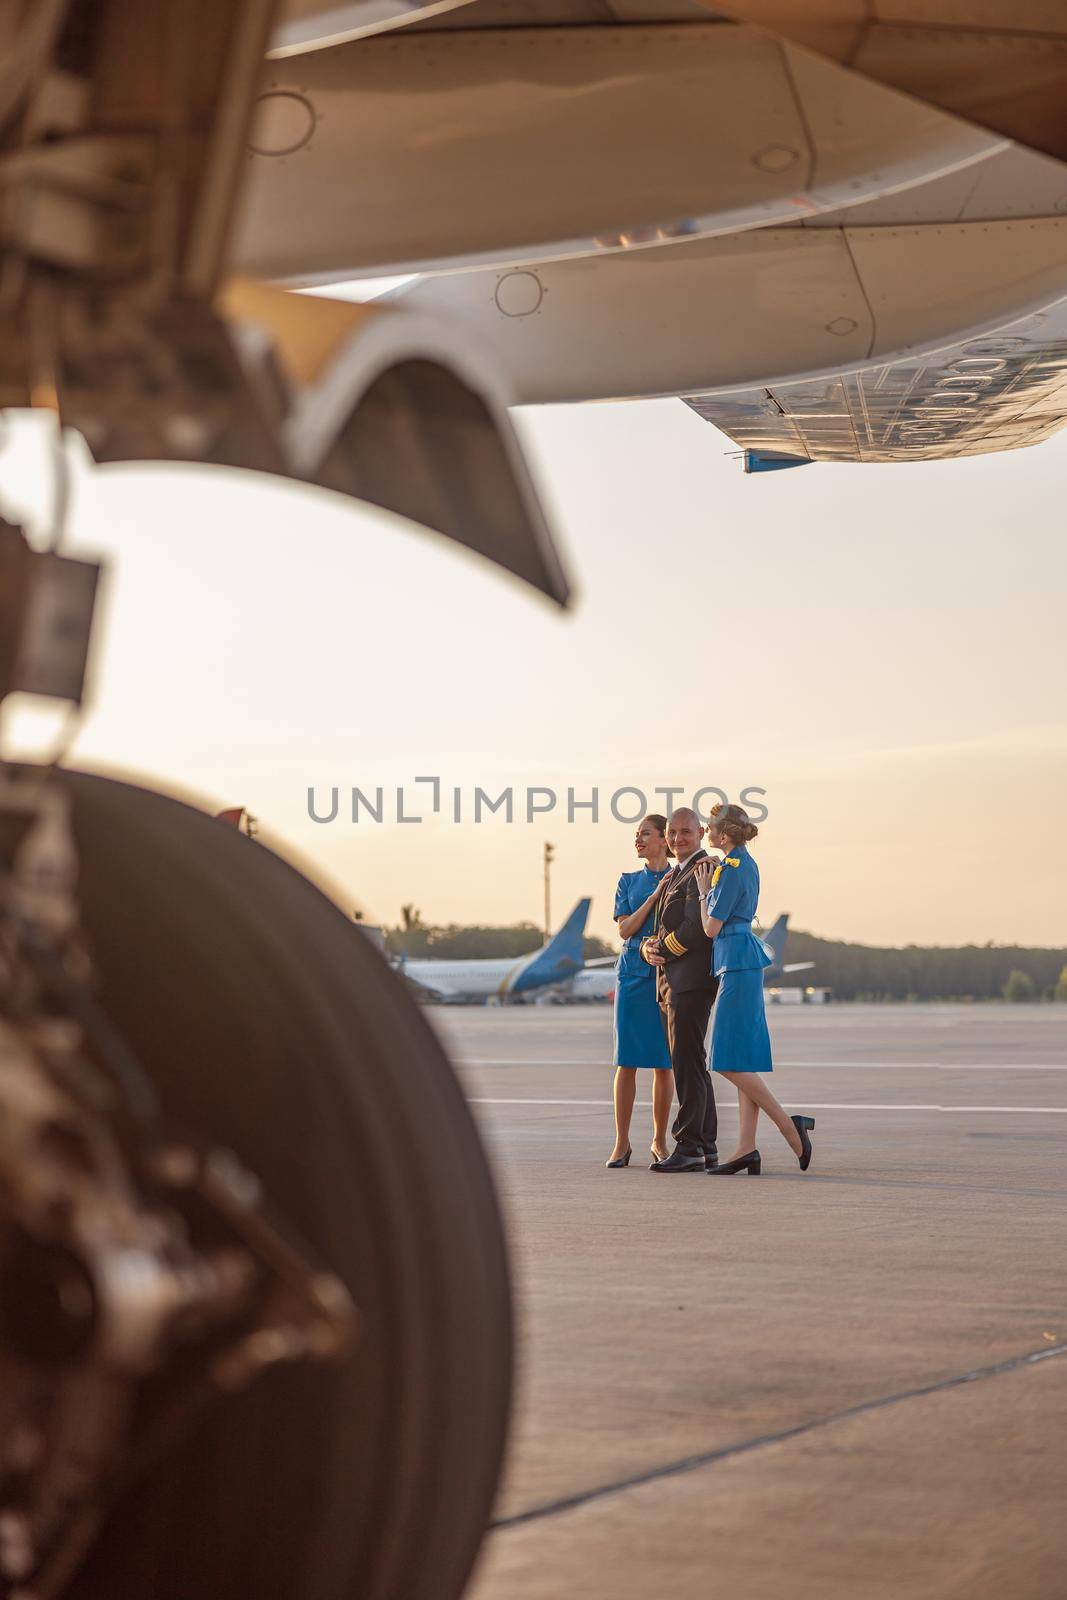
(810, 1105)
(517, 1061)
(672, 1469)
(936, 1066)
(788, 1061)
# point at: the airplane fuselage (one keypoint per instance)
(463, 981)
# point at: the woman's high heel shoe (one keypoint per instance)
(750, 1163)
(802, 1124)
(623, 1161)
(654, 1153)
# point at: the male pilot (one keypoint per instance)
(680, 951)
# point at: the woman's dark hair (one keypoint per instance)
(660, 824)
(732, 822)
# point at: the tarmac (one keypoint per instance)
(847, 1384)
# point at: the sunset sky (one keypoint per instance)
(880, 648)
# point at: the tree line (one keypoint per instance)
(933, 972)
(456, 942)
(852, 971)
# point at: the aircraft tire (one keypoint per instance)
(270, 1025)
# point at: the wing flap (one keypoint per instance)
(1000, 392)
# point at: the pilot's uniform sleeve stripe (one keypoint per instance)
(674, 945)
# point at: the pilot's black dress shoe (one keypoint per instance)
(711, 1160)
(681, 1161)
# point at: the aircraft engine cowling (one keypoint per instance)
(415, 151)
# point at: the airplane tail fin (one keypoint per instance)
(776, 937)
(561, 957)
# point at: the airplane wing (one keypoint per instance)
(634, 180)
(1000, 64)
(858, 274)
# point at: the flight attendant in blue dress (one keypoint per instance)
(639, 1037)
(740, 1042)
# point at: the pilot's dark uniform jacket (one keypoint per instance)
(686, 987)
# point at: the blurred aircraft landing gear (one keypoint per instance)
(256, 1328)
(255, 1322)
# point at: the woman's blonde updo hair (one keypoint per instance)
(732, 822)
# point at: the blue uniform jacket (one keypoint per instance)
(634, 888)
(732, 899)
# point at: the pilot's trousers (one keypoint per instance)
(685, 1019)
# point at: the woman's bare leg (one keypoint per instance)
(751, 1086)
(625, 1094)
(748, 1116)
(662, 1100)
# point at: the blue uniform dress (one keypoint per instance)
(739, 1038)
(639, 1037)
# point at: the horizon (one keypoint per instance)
(524, 924)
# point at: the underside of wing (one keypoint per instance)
(994, 393)
(816, 231)
(1000, 63)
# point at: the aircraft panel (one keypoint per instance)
(437, 151)
(1012, 183)
(995, 393)
(306, 25)
(570, 13)
(1000, 63)
(770, 306)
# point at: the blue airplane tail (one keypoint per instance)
(776, 937)
(561, 957)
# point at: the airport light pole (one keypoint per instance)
(549, 855)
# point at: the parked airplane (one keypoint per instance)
(596, 981)
(503, 978)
